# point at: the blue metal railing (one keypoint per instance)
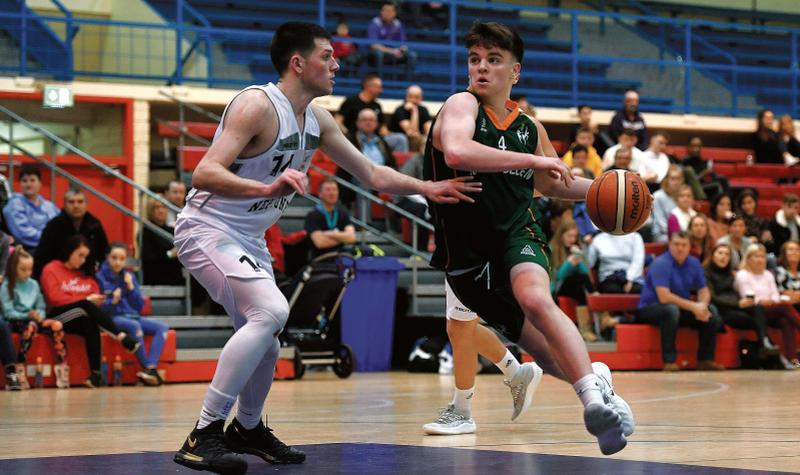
(182, 51)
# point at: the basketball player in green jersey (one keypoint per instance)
(493, 251)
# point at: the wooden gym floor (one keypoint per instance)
(689, 422)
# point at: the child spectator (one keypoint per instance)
(74, 298)
(345, 52)
(736, 239)
(570, 276)
(24, 307)
(785, 226)
(124, 303)
(756, 283)
(682, 213)
(579, 158)
(664, 203)
(593, 162)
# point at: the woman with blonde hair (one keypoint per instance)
(683, 212)
(569, 276)
(664, 202)
(756, 284)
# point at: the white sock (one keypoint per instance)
(588, 389)
(248, 418)
(462, 400)
(508, 365)
(216, 406)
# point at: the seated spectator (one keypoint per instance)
(24, 308)
(620, 261)
(700, 242)
(328, 224)
(757, 227)
(787, 274)
(74, 219)
(736, 312)
(175, 194)
(367, 98)
(345, 52)
(664, 202)
(569, 275)
(671, 280)
(411, 117)
(789, 138)
(578, 158)
(73, 297)
(387, 28)
(594, 163)
(655, 162)
(27, 213)
(683, 212)
(721, 211)
(124, 302)
(785, 226)
(416, 204)
(629, 118)
(160, 265)
(767, 145)
(736, 239)
(622, 159)
(586, 228)
(626, 139)
(524, 105)
(7, 358)
(756, 283)
(601, 139)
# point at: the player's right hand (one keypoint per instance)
(555, 168)
(290, 181)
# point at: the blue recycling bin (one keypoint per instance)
(368, 312)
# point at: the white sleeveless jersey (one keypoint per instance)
(252, 216)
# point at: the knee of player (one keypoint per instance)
(534, 302)
(459, 330)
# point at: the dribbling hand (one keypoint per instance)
(452, 191)
(290, 181)
(555, 168)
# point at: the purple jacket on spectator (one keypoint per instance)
(130, 303)
(378, 30)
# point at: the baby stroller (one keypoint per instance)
(314, 296)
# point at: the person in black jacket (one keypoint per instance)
(629, 118)
(73, 219)
(785, 225)
(741, 313)
(160, 264)
(767, 145)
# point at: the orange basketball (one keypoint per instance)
(619, 202)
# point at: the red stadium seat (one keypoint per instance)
(655, 248)
(192, 154)
(568, 305)
(402, 157)
(702, 206)
(201, 129)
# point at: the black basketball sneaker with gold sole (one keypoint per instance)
(205, 449)
(260, 441)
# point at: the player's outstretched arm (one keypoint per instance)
(551, 183)
(249, 115)
(383, 178)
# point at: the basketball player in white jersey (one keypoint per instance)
(256, 163)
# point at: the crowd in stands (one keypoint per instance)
(63, 277)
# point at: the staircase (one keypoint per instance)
(47, 51)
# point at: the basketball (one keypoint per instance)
(619, 202)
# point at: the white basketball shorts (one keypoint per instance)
(455, 309)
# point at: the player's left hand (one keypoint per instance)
(452, 191)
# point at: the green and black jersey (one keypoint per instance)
(470, 234)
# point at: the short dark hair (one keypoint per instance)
(327, 180)
(492, 34)
(663, 134)
(577, 148)
(294, 37)
(583, 130)
(680, 235)
(118, 245)
(584, 106)
(517, 97)
(369, 77)
(29, 169)
(790, 198)
(628, 131)
(74, 242)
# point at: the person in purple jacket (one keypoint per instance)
(124, 303)
(386, 27)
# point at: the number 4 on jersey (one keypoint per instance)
(501, 144)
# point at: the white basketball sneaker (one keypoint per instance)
(522, 387)
(610, 397)
(450, 422)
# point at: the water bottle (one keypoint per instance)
(749, 160)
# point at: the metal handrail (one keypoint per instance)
(183, 130)
(189, 105)
(102, 166)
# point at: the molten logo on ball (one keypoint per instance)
(635, 200)
(618, 202)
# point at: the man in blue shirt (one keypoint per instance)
(386, 27)
(28, 213)
(665, 302)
